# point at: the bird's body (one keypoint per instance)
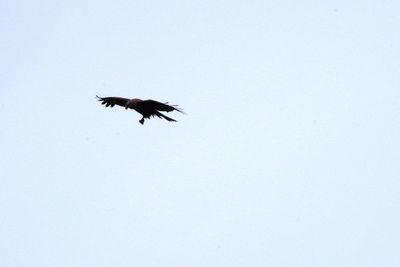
(148, 108)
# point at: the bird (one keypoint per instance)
(148, 108)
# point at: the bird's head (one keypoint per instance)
(128, 104)
(132, 103)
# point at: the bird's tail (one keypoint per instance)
(160, 115)
(178, 109)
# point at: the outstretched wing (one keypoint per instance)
(152, 104)
(112, 101)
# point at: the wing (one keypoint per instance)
(152, 104)
(112, 101)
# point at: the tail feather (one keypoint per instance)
(179, 109)
(160, 115)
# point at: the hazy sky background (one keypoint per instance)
(288, 156)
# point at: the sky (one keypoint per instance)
(288, 154)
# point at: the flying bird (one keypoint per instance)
(148, 108)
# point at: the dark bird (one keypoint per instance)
(148, 108)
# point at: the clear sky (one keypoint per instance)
(288, 154)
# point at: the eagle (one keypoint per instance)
(148, 108)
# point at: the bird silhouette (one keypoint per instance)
(148, 108)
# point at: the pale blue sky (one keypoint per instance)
(289, 154)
